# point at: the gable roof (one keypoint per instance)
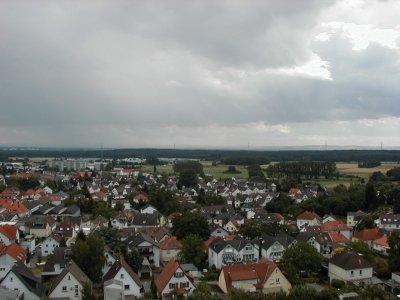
(368, 234)
(336, 225)
(259, 271)
(74, 269)
(30, 281)
(166, 274)
(350, 261)
(308, 215)
(219, 244)
(14, 250)
(9, 231)
(120, 263)
(170, 243)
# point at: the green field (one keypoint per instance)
(216, 172)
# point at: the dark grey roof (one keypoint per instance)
(72, 268)
(117, 265)
(29, 280)
(140, 237)
(31, 204)
(61, 256)
(350, 261)
(284, 239)
(43, 210)
(72, 209)
(219, 244)
(145, 220)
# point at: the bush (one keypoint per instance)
(337, 284)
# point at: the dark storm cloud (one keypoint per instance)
(77, 72)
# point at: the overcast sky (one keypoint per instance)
(199, 73)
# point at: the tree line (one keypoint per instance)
(309, 170)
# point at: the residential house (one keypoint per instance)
(353, 217)
(50, 243)
(56, 263)
(9, 234)
(69, 283)
(172, 280)
(9, 255)
(121, 271)
(158, 233)
(232, 226)
(146, 246)
(381, 244)
(367, 235)
(222, 252)
(338, 227)
(308, 218)
(38, 226)
(273, 247)
(264, 276)
(389, 222)
(22, 279)
(170, 248)
(217, 230)
(350, 267)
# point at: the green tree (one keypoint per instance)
(371, 199)
(394, 251)
(301, 258)
(363, 248)
(190, 223)
(87, 292)
(193, 250)
(203, 292)
(133, 260)
(89, 256)
(119, 206)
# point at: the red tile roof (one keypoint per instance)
(166, 274)
(336, 225)
(170, 243)
(368, 234)
(382, 241)
(308, 215)
(13, 206)
(260, 271)
(14, 250)
(9, 231)
(338, 237)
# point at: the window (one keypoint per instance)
(126, 287)
(11, 279)
(69, 277)
(352, 273)
(122, 276)
(277, 280)
(76, 290)
(360, 272)
(64, 289)
(178, 274)
(173, 286)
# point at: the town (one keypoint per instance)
(165, 229)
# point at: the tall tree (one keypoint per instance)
(193, 250)
(190, 223)
(301, 257)
(89, 256)
(394, 251)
